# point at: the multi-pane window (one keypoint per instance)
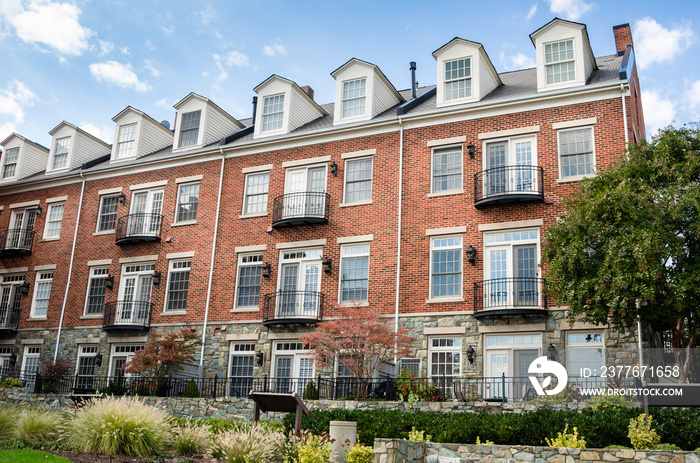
(445, 361)
(576, 152)
(85, 367)
(354, 97)
(107, 218)
(358, 180)
(187, 200)
(241, 368)
(30, 366)
(96, 290)
(9, 167)
(446, 267)
(189, 130)
(126, 141)
(178, 285)
(458, 82)
(42, 294)
(584, 350)
(54, 217)
(410, 366)
(248, 288)
(122, 353)
(60, 155)
(559, 61)
(354, 273)
(256, 187)
(273, 113)
(447, 169)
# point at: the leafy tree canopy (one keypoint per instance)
(163, 352)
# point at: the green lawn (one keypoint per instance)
(29, 456)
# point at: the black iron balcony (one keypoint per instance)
(137, 228)
(509, 296)
(16, 242)
(285, 307)
(127, 315)
(508, 184)
(9, 318)
(303, 208)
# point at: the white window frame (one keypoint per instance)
(50, 220)
(96, 273)
(125, 145)
(193, 204)
(404, 362)
(129, 351)
(255, 259)
(187, 131)
(510, 180)
(11, 154)
(176, 266)
(467, 79)
(42, 278)
(448, 247)
(272, 117)
(30, 352)
(88, 352)
(455, 351)
(348, 163)
(354, 99)
(100, 213)
(240, 350)
(583, 153)
(248, 194)
(353, 251)
(63, 142)
(550, 65)
(292, 348)
(577, 345)
(447, 150)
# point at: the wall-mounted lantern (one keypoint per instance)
(327, 265)
(109, 282)
(334, 169)
(470, 354)
(471, 255)
(122, 198)
(156, 278)
(24, 289)
(266, 270)
(471, 150)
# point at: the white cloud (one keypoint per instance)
(105, 47)
(693, 94)
(207, 15)
(118, 74)
(149, 45)
(6, 128)
(656, 44)
(49, 23)
(148, 64)
(125, 50)
(569, 9)
(658, 111)
(169, 29)
(276, 49)
(531, 13)
(14, 98)
(236, 58)
(521, 61)
(163, 103)
(223, 75)
(102, 132)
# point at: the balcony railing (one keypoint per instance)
(16, 241)
(303, 208)
(292, 307)
(509, 296)
(509, 184)
(135, 228)
(127, 315)
(9, 318)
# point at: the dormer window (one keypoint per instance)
(273, 113)
(60, 156)
(458, 82)
(10, 163)
(190, 128)
(354, 98)
(559, 61)
(125, 142)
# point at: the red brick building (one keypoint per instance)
(428, 203)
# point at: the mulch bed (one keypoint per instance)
(93, 458)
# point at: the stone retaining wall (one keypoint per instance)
(400, 451)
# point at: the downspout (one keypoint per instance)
(70, 269)
(624, 114)
(398, 246)
(211, 263)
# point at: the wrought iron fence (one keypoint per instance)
(517, 292)
(16, 240)
(127, 314)
(139, 226)
(306, 204)
(291, 306)
(509, 180)
(9, 317)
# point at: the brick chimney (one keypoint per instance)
(309, 91)
(623, 37)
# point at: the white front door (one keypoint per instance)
(304, 191)
(496, 367)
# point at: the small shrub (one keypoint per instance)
(617, 447)
(360, 453)
(315, 449)
(310, 391)
(51, 374)
(609, 401)
(113, 389)
(486, 442)
(10, 382)
(191, 438)
(191, 390)
(641, 434)
(8, 417)
(418, 436)
(572, 441)
(667, 447)
(37, 425)
(254, 444)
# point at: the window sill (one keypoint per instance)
(168, 313)
(445, 193)
(184, 223)
(574, 179)
(107, 232)
(351, 304)
(445, 300)
(357, 203)
(91, 317)
(250, 216)
(50, 239)
(34, 319)
(245, 310)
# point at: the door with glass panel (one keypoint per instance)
(9, 299)
(21, 231)
(525, 175)
(30, 366)
(135, 295)
(283, 373)
(496, 292)
(241, 369)
(497, 374)
(299, 284)
(145, 217)
(304, 192)
(85, 369)
(526, 283)
(521, 383)
(496, 161)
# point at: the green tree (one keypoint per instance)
(628, 247)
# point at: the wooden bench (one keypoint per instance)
(81, 396)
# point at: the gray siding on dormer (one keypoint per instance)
(32, 159)
(384, 97)
(153, 138)
(300, 111)
(86, 149)
(217, 127)
(486, 82)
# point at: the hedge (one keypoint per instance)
(600, 427)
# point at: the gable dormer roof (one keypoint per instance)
(362, 91)
(71, 147)
(200, 122)
(137, 134)
(21, 158)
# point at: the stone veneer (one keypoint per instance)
(399, 451)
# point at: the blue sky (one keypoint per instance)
(84, 61)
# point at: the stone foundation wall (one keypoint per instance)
(399, 451)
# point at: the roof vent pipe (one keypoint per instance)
(255, 107)
(414, 84)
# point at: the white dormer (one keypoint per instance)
(564, 55)
(137, 134)
(282, 107)
(199, 122)
(361, 92)
(21, 158)
(71, 147)
(464, 72)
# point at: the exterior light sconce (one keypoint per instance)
(109, 282)
(156, 278)
(471, 149)
(470, 354)
(259, 358)
(267, 270)
(24, 289)
(551, 352)
(39, 210)
(98, 359)
(122, 198)
(334, 169)
(327, 265)
(471, 255)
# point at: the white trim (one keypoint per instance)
(582, 326)
(358, 203)
(106, 232)
(283, 336)
(243, 337)
(145, 186)
(354, 239)
(109, 191)
(179, 255)
(359, 154)
(446, 141)
(445, 193)
(251, 216)
(39, 268)
(254, 248)
(127, 339)
(129, 260)
(57, 199)
(578, 123)
(2, 208)
(446, 231)
(300, 244)
(444, 330)
(88, 340)
(95, 263)
(509, 132)
(307, 161)
(250, 170)
(182, 224)
(193, 178)
(576, 178)
(539, 328)
(508, 225)
(445, 300)
(24, 204)
(4, 271)
(31, 342)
